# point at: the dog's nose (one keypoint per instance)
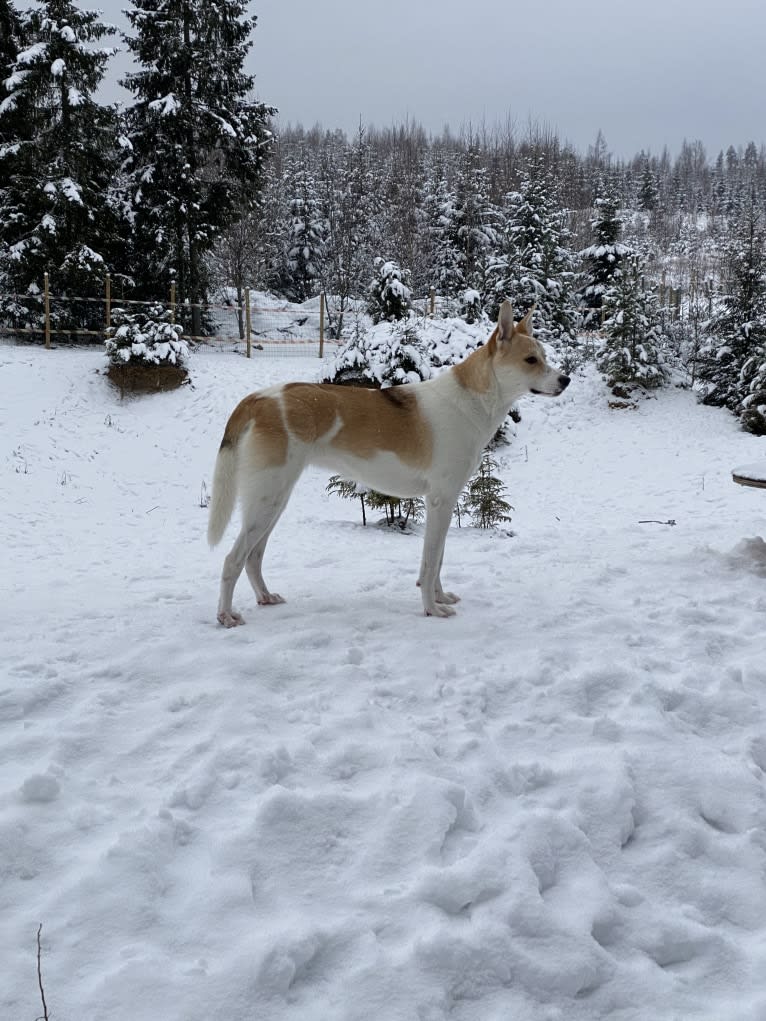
(564, 382)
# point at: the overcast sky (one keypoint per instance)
(648, 73)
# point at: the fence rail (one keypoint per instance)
(237, 324)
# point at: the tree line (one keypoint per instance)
(191, 184)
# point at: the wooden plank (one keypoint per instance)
(751, 475)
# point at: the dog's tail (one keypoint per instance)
(224, 491)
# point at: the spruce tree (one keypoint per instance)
(478, 221)
(737, 330)
(306, 233)
(483, 497)
(539, 265)
(14, 132)
(632, 331)
(442, 225)
(390, 298)
(197, 141)
(56, 161)
(351, 204)
(753, 379)
(603, 257)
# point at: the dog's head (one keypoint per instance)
(519, 360)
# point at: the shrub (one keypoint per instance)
(145, 350)
(483, 497)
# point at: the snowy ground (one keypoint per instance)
(548, 808)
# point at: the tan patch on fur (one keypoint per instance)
(371, 421)
(475, 372)
(266, 417)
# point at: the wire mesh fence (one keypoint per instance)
(255, 326)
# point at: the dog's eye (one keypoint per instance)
(532, 360)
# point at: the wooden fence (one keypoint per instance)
(255, 328)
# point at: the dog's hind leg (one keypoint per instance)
(261, 509)
(254, 573)
(439, 593)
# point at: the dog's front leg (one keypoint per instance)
(435, 599)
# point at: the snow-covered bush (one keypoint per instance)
(470, 305)
(145, 350)
(390, 298)
(150, 337)
(450, 340)
(386, 355)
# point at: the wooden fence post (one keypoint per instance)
(247, 320)
(108, 284)
(47, 304)
(321, 325)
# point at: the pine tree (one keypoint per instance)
(390, 299)
(478, 221)
(351, 205)
(483, 498)
(198, 142)
(56, 163)
(539, 266)
(603, 257)
(632, 331)
(738, 329)
(753, 380)
(11, 42)
(14, 132)
(306, 230)
(442, 225)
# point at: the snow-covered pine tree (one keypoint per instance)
(478, 220)
(602, 259)
(737, 330)
(10, 44)
(351, 204)
(402, 212)
(56, 161)
(386, 355)
(390, 298)
(633, 338)
(442, 224)
(306, 230)
(14, 131)
(198, 141)
(539, 263)
(753, 379)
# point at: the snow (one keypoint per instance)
(550, 806)
(166, 106)
(756, 472)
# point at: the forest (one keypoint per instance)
(653, 265)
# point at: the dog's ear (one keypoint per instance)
(505, 321)
(525, 325)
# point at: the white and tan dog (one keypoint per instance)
(420, 439)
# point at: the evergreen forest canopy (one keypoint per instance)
(190, 183)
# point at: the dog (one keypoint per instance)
(421, 439)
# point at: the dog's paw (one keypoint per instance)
(270, 599)
(439, 610)
(230, 618)
(447, 597)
